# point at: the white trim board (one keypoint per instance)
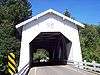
(50, 11)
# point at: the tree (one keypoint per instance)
(1, 58)
(67, 13)
(40, 55)
(98, 29)
(89, 39)
(12, 12)
(15, 11)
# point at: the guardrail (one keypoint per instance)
(91, 66)
(79, 65)
(86, 65)
(24, 70)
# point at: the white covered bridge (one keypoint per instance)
(52, 31)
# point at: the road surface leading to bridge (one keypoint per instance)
(57, 70)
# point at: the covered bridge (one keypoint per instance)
(53, 31)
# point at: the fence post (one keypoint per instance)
(78, 65)
(85, 65)
(94, 66)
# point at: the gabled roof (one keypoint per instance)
(50, 11)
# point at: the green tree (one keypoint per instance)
(1, 58)
(89, 39)
(98, 29)
(12, 12)
(67, 13)
(40, 54)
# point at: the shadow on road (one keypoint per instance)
(49, 63)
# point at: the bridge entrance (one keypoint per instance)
(55, 44)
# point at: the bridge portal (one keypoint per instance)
(52, 31)
(57, 45)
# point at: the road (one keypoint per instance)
(57, 70)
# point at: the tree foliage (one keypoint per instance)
(90, 43)
(12, 12)
(67, 13)
(89, 40)
(40, 55)
(15, 11)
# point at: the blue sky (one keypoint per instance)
(87, 11)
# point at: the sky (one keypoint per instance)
(85, 11)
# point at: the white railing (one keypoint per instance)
(91, 66)
(79, 65)
(24, 70)
(86, 65)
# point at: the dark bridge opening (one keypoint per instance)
(55, 44)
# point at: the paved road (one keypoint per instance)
(57, 70)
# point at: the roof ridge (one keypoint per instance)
(48, 11)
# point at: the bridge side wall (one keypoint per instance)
(49, 23)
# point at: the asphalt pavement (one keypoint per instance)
(57, 70)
